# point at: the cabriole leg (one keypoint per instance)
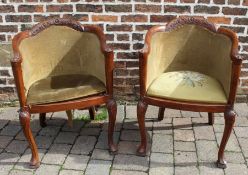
(229, 122)
(210, 118)
(43, 120)
(141, 111)
(161, 113)
(112, 110)
(24, 117)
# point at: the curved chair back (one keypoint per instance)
(60, 49)
(192, 47)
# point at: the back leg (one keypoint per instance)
(43, 120)
(92, 112)
(161, 113)
(210, 118)
(70, 118)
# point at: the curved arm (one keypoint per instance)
(15, 45)
(143, 58)
(143, 69)
(16, 67)
(145, 49)
(109, 68)
(17, 72)
(236, 69)
(109, 57)
(236, 63)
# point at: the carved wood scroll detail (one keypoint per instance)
(56, 21)
(179, 22)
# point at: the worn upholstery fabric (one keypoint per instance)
(190, 48)
(63, 87)
(187, 86)
(60, 50)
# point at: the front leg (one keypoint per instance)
(229, 122)
(112, 110)
(141, 111)
(24, 117)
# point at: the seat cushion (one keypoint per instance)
(187, 86)
(64, 87)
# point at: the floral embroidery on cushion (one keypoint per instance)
(188, 78)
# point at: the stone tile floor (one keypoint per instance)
(180, 144)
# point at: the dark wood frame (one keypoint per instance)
(85, 102)
(229, 113)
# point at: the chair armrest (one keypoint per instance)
(107, 50)
(236, 63)
(147, 69)
(109, 68)
(145, 50)
(237, 59)
(143, 55)
(16, 62)
(18, 77)
(236, 69)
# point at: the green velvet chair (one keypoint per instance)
(61, 65)
(189, 65)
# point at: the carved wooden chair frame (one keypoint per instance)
(229, 113)
(84, 102)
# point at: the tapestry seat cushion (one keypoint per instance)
(187, 86)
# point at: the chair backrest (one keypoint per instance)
(191, 47)
(61, 50)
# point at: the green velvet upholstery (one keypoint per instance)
(187, 86)
(64, 87)
(58, 53)
(191, 48)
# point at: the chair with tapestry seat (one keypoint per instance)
(189, 65)
(61, 65)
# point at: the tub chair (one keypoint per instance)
(61, 65)
(189, 65)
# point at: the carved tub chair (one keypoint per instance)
(189, 65)
(61, 65)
